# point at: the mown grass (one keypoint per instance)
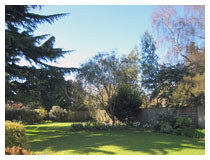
(55, 138)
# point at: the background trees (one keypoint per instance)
(117, 84)
(104, 73)
(184, 36)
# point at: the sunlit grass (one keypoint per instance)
(55, 138)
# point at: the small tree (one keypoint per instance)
(126, 103)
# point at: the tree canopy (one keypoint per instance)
(21, 43)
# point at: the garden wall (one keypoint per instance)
(197, 114)
(79, 116)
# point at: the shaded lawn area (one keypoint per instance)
(55, 138)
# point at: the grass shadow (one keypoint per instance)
(62, 141)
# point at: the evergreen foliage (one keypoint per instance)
(148, 62)
(20, 43)
(126, 103)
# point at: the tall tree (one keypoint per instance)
(104, 73)
(190, 90)
(20, 43)
(148, 63)
(178, 26)
(99, 75)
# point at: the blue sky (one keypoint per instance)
(92, 29)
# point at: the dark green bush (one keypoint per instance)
(92, 126)
(166, 127)
(190, 132)
(166, 121)
(77, 127)
(23, 114)
(125, 104)
(15, 135)
(179, 131)
(194, 133)
(183, 122)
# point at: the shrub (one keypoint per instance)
(58, 114)
(15, 135)
(16, 151)
(31, 117)
(183, 122)
(169, 116)
(169, 123)
(179, 131)
(167, 119)
(190, 132)
(42, 112)
(23, 114)
(194, 133)
(92, 126)
(77, 127)
(188, 122)
(166, 127)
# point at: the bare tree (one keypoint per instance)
(178, 26)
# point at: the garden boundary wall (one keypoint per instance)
(79, 116)
(83, 116)
(150, 115)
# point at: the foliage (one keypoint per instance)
(168, 116)
(42, 112)
(167, 79)
(182, 84)
(74, 96)
(102, 75)
(58, 114)
(149, 62)
(190, 132)
(95, 126)
(77, 127)
(183, 122)
(195, 133)
(99, 75)
(36, 82)
(15, 135)
(169, 122)
(22, 114)
(166, 127)
(126, 103)
(190, 90)
(16, 150)
(185, 36)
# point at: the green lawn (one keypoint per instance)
(55, 138)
